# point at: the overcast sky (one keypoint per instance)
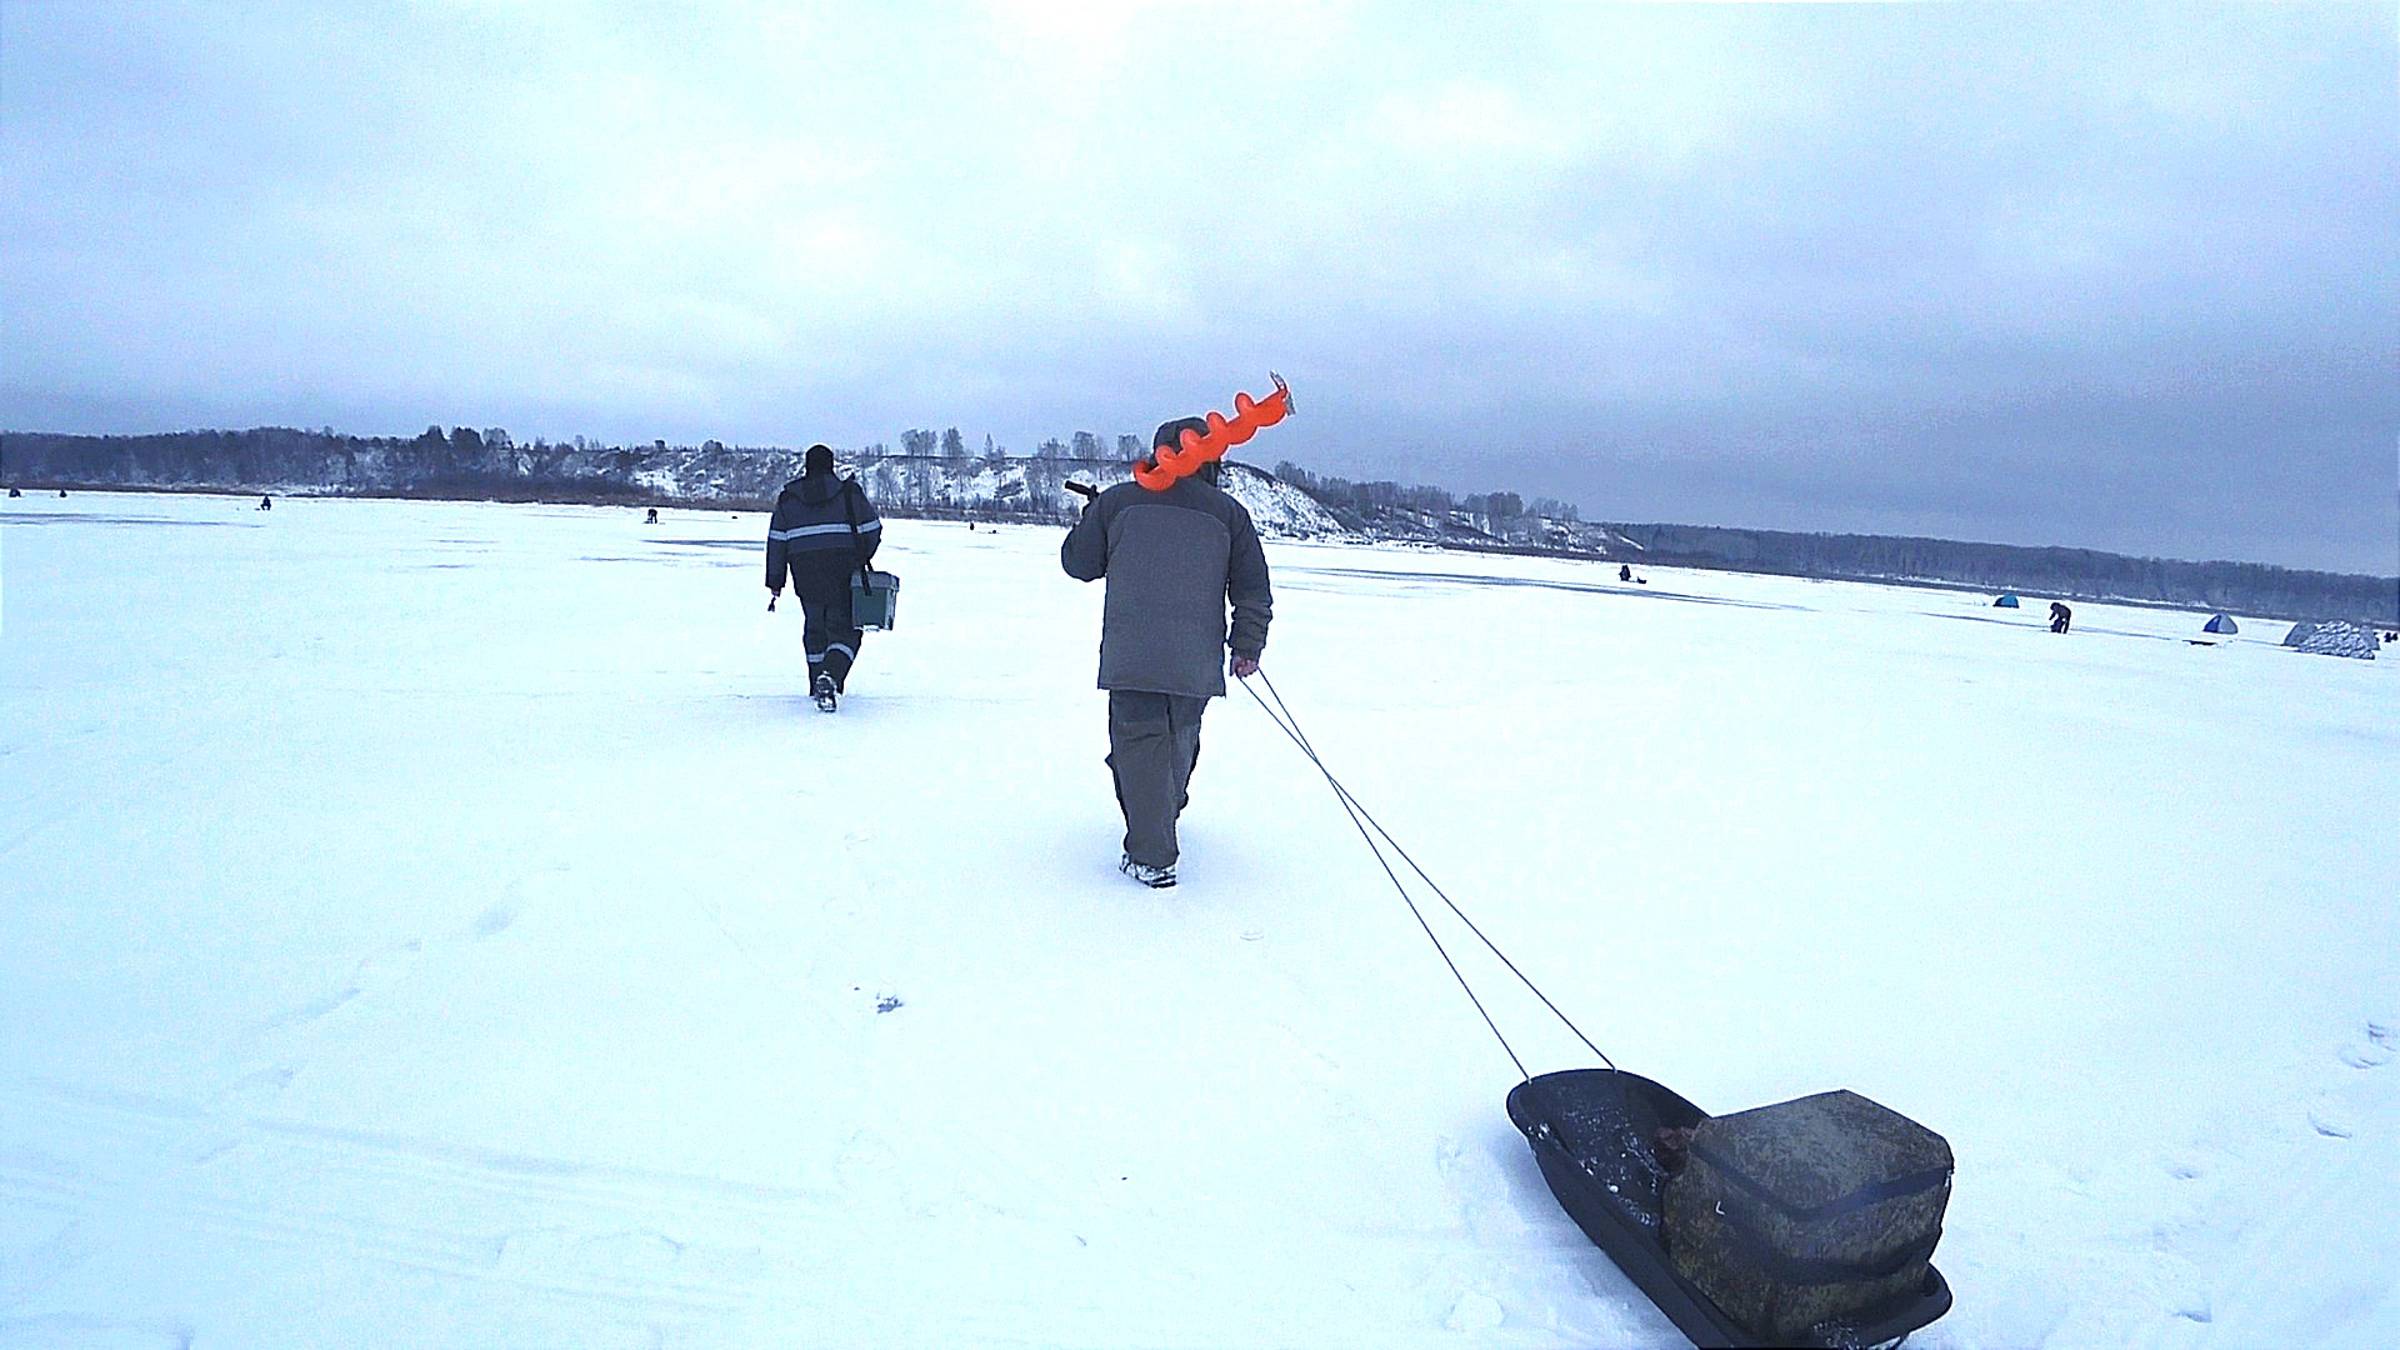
(2103, 275)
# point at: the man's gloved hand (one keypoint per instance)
(773, 594)
(1244, 666)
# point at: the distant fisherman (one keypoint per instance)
(265, 502)
(823, 531)
(1173, 559)
(2060, 617)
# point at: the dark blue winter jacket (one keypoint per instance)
(820, 517)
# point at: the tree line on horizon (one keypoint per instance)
(929, 475)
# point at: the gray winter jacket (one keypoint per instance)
(1172, 560)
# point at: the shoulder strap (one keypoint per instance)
(850, 510)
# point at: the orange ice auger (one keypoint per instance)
(1168, 463)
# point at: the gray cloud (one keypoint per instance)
(2121, 277)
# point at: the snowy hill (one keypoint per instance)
(1036, 486)
(448, 924)
(1280, 510)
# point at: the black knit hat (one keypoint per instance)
(1170, 434)
(819, 460)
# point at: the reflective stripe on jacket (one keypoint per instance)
(815, 515)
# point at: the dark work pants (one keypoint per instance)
(1153, 741)
(822, 581)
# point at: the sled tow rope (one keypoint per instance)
(1281, 715)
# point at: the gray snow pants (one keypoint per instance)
(1153, 741)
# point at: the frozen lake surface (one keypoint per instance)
(441, 924)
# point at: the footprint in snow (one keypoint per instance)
(2382, 1043)
(370, 974)
(388, 965)
(2332, 1119)
(322, 1006)
(253, 1090)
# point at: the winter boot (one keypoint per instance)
(827, 697)
(1156, 878)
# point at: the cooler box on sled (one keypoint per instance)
(1605, 1141)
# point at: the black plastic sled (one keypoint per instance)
(1595, 1133)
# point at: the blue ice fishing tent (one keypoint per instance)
(2223, 623)
(2008, 601)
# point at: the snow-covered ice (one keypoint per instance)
(450, 924)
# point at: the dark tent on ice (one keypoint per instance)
(2223, 623)
(2008, 601)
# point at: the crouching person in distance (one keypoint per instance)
(823, 531)
(1173, 560)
